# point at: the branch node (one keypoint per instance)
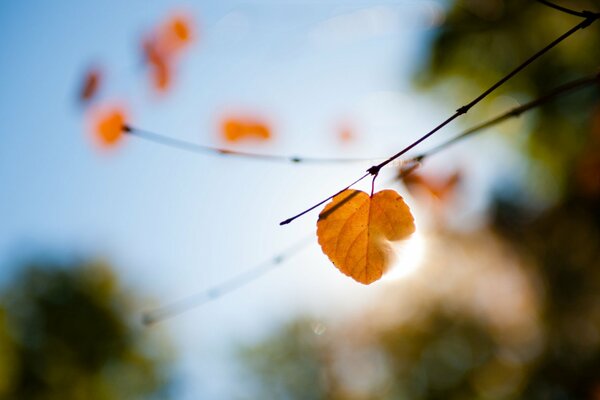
(464, 109)
(590, 15)
(126, 128)
(516, 112)
(374, 170)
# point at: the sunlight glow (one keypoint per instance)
(410, 257)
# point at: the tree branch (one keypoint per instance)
(287, 221)
(582, 14)
(223, 288)
(374, 170)
(198, 148)
(240, 280)
(559, 91)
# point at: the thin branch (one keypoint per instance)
(240, 280)
(287, 221)
(202, 149)
(582, 14)
(223, 288)
(464, 109)
(559, 91)
(374, 170)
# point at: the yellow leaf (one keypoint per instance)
(354, 231)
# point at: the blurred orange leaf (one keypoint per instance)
(107, 125)
(175, 34)
(354, 231)
(438, 189)
(90, 86)
(151, 52)
(235, 129)
(161, 47)
(159, 66)
(161, 74)
(345, 135)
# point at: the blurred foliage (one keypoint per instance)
(65, 333)
(441, 357)
(455, 355)
(290, 365)
(479, 42)
(482, 40)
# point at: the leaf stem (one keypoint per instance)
(373, 184)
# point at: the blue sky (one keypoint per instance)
(173, 223)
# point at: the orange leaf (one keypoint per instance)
(345, 135)
(158, 64)
(150, 50)
(438, 189)
(108, 126)
(180, 28)
(161, 74)
(354, 231)
(91, 83)
(174, 35)
(234, 130)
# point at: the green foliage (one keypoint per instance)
(65, 333)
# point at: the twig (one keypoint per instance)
(287, 221)
(238, 281)
(582, 14)
(374, 170)
(221, 289)
(564, 89)
(198, 148)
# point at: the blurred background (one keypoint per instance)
(496, 295)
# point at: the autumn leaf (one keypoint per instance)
(345, 135)
(90, 85)
(161, 74)
(159, 66)
(439, 189)
(107, 125)
(354, 231)
(150, 50)
(237, 129)
(176, 34)
(345, 132)
(161, 49)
